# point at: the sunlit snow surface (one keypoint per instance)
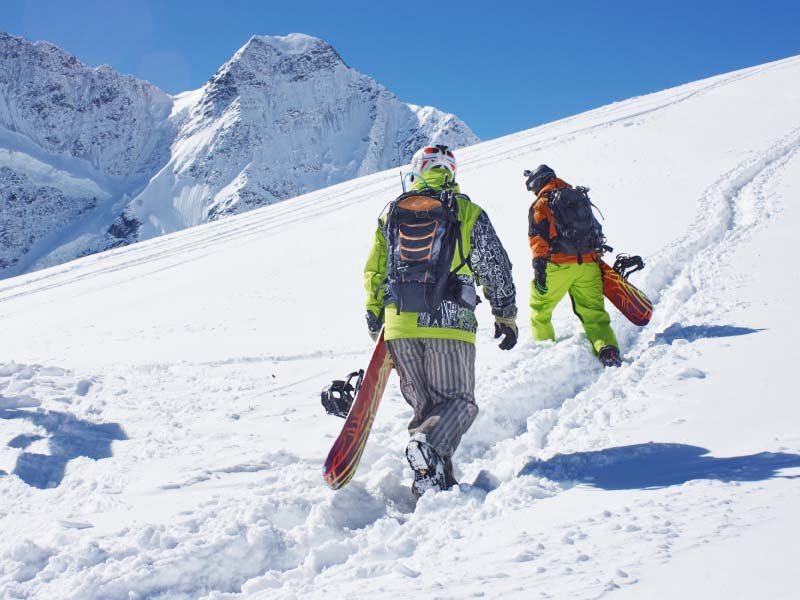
(161, 434)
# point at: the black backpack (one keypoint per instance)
(422, 232)
(578, 231)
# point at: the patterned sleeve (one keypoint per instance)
(492, 267)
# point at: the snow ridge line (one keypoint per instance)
(234, 229)
(675, 96)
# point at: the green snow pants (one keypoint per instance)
(584, 283)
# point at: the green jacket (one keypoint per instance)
(487, 263)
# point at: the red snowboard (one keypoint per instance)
(628, 299)
(346, 452)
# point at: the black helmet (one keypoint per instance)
(538, 177)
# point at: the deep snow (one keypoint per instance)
(167, 392)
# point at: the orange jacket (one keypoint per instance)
(542, 228)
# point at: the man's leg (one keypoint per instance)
(588, 303)
(559, 279)
(409, 361)
(450, 374)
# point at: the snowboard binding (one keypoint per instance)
(626, 265)
(337, 398)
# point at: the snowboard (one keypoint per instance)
(628, 299)
(344, 456)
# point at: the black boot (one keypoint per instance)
(449, 478)
(609, 356)
(429, 469)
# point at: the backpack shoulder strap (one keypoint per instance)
(459, 241)
(554, 194)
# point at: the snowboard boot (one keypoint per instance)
(430, 470)
(609, 356)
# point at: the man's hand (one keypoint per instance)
(507, 327)
(374, 324)
(540, 275)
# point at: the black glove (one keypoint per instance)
(374, 324)
(540, 275)
(507, 327)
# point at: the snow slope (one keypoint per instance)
(162, 435)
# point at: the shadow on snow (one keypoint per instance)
(656, 465)
(68, 438)
(692, 333)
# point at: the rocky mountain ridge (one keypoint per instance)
(91, 159)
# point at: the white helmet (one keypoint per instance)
(433, 156)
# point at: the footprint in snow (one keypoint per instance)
(82, 387)
(691, 373)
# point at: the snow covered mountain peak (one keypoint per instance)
(264, 59)
(284, 116)
(148, 163)
(293, 47)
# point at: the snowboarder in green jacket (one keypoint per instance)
(433, 348)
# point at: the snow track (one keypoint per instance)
(171, 251)
(578, 482)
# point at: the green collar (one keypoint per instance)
(433, 179)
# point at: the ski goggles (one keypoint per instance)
(433, 150)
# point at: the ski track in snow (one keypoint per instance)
(201, 241)
(276, 532)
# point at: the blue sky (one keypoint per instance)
(501, 69)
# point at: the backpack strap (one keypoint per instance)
(459, 241)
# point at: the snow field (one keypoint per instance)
(207, 349)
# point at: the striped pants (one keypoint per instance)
(437, 378)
